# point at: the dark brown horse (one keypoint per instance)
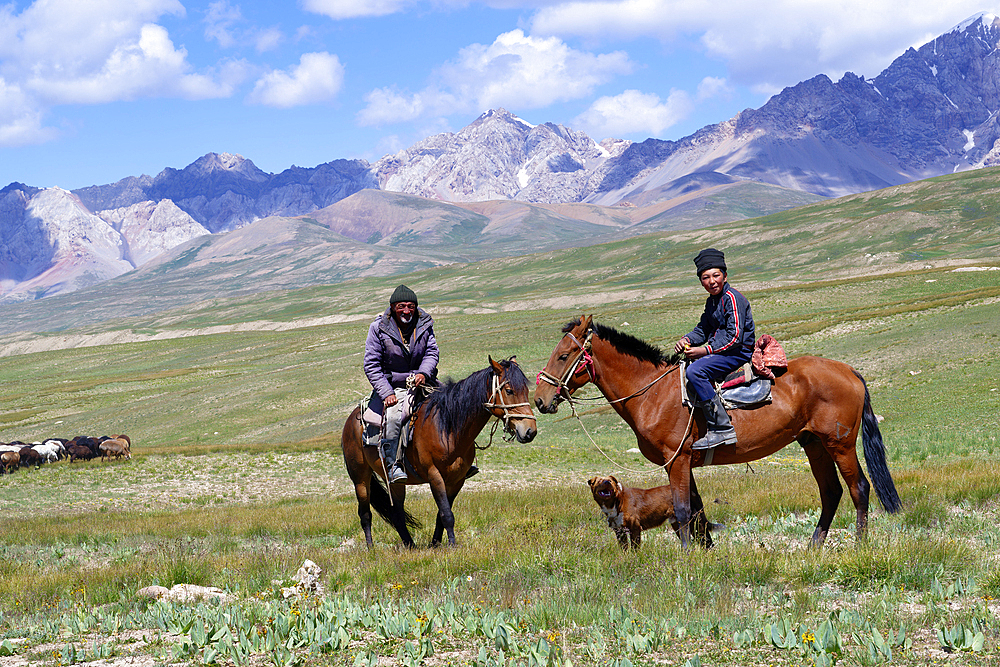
(820, 403)
(442, 448)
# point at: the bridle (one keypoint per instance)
(496, 402)
(583, 361)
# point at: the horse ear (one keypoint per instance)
(497, 368)
(587, 322)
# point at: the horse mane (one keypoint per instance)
(628, 344)
(453, 402)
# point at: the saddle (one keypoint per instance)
(750, 384)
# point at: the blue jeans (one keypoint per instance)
(701, 372)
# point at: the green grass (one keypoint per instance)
(236, 476)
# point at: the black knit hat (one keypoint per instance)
(710, 258)
(402, 293)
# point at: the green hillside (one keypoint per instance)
(283, 364)
(234, 397)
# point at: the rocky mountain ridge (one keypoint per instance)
(932, 111)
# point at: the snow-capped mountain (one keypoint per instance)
(933, 111)
(498, 156)
(50, 243)
(223, 191)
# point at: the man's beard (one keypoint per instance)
(405, 318)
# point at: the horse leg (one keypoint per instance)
(398, 516)
(830, 490)
(362, 490)
(359, 471)
(845, 455)
(700, 524)
(680, 490)
(445, 517)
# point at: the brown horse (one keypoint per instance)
(442, 447)
(820, 403)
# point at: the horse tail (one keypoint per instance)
(379, 499)
(874, 448)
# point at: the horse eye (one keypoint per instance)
(564, 357)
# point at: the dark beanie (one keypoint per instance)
(402, 293)
(710, 258)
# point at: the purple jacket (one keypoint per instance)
(387, 361)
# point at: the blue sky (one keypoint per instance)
(92, 91)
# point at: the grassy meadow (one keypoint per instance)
(236, 479)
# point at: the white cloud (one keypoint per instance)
(712, 87)
(69, 52)
(268, 39)
(529, 72)
(20, 121)
(222, 22)
(346, 9)
(765, 44)
(515, 71)
(634, 112)
(149, 67)
(219, 21)
(386, 105)
(317, 78)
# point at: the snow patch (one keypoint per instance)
(934, 70)
(523, 122)
(970, 140)
(522, 177)
(988, 19)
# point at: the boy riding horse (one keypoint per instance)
(722, 342)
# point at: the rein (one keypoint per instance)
(585, 360)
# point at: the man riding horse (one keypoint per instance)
(401, 357)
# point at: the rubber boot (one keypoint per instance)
(393, 469)
(720, 429)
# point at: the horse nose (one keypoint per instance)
(530, 433)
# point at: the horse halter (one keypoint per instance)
(496, 401)
(583, 361)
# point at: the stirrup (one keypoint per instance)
(713, 439)
(396, 473)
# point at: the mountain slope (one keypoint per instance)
(949, 220)
(931, 112)
(226, 191)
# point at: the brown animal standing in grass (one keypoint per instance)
(9, 461)
(114, 447)
(630, 511)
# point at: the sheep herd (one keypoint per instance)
(20, 454)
